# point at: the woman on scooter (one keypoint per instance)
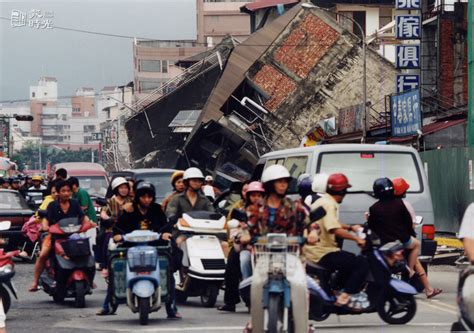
(400, 187)
(63, 207)
(147, 215)
(390, 220)
(116, 205)
(277, 214)
(252, 194)
(178, 185)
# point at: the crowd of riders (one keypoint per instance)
(268, 209)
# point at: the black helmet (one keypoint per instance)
(383, 188)
(145, 188)
(305, 184)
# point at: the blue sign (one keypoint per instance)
(407, 4)
(406, 113)
(408, 27)
(406, 82)
(407, 56)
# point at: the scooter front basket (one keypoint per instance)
(142, 258)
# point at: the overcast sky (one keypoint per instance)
(80, 59)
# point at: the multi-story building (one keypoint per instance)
(155, 61)
(83, 103)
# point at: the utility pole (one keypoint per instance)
(470, 59)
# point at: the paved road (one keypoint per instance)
(37, 312)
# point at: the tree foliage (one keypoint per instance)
(29, 156)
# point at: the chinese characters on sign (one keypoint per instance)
(35, 18)
(406, 113)
(406, 82)
(408, 56)
(407, 4)
(408, 27)
(350, 119)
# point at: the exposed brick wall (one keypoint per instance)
(275, 84)
(308, 42)
(446, 61)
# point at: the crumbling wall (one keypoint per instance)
(312, 80)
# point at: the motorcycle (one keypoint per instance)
(392, 298)
(277, 288)
(140, 273)
(465, 301)
(70, 270)
(203, 261)
(7, 271)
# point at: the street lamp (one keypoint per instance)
(364, 55)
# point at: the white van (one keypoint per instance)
(362, 164)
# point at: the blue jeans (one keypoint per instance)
(245, 264)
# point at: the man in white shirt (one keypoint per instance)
(466, 233)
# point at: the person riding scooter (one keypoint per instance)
(277, 214)
(253, 194)
(62, 208)
(400, 188)
(146, 215)
(390, 220)
(177, 183)
(326, 251)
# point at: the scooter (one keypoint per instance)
(140, 273)
(272, 290)
(465, 301)
(7, 271)
(204, 261)
(69, 272)
(393, 299)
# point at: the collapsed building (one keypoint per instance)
(287, 83)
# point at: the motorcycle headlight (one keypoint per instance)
(141, 239)
(71, 229)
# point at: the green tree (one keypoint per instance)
(29, 155)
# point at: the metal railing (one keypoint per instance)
(174, 83)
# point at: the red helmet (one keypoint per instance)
(338, 182)
(400, 186)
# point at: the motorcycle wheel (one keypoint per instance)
(59, 294)
(80, 301)
(275, 314)
(6, 299)
(457, 327)
(392, 307)
(143, 309)
(209, 298)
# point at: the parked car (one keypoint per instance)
(92, 176)
(14, 208)
(362, 164)
(160, 178)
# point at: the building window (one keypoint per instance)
(33, 95)
(385, 16)
(148, 86)
(164, 66)
(76, 109)
(150, 66)
(348, 24)
(89, 128)
(45, 94)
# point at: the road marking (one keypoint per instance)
(341, 325)
(449, 306)
(442, 308)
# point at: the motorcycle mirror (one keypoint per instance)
(239, 215)
(317, 214)
(5, 225)
(419, 219)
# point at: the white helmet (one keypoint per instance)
(117, 182)
(193, 173)
(275, 172)
(320, 183)
(209, 179)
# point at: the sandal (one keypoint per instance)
(435, 292)
(34, 289)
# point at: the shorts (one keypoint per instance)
(408, 243)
